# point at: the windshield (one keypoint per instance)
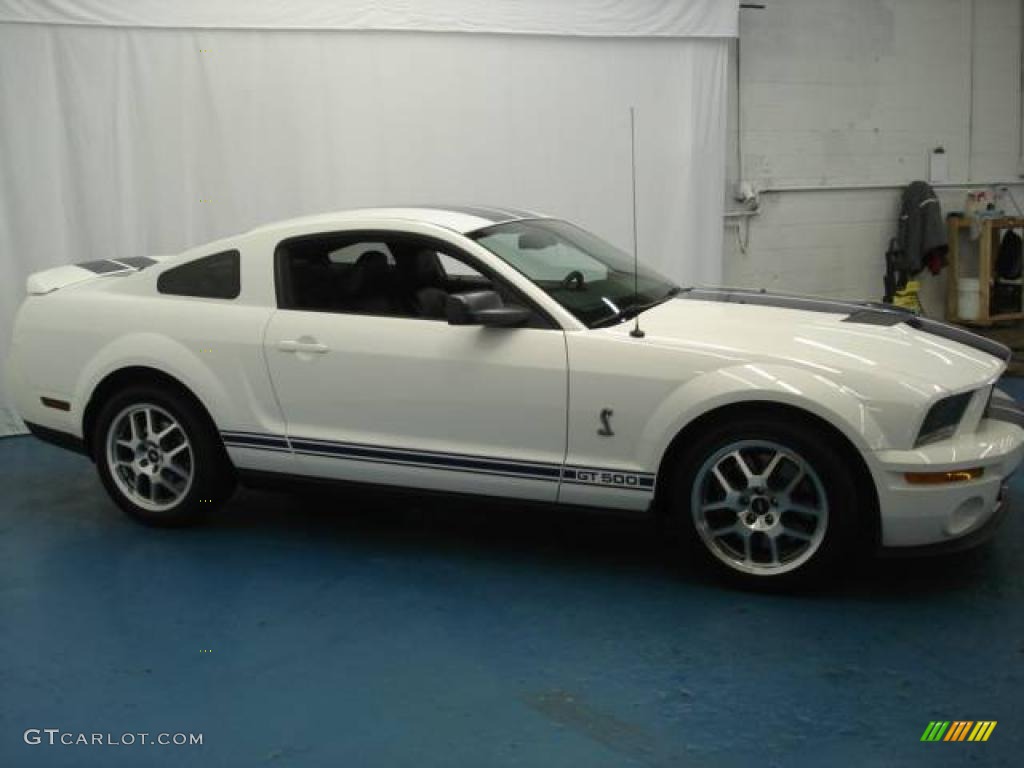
(589, 277)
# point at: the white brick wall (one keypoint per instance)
(840, 92)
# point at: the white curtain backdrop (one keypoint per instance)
(123, 141)
(607, 18)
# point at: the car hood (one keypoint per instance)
(824, 336)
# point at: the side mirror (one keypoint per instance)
(483, 308)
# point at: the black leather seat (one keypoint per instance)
(367, 286)
(425, 280)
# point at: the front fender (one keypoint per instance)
(840, 405)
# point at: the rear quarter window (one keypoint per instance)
(210, 277)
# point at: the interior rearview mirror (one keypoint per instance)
(536, 241)
(483, 308)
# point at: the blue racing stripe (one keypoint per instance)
(257, 447)
(418, 453)
(255, 440)
(453, 461)
(456, 462)
(422, 465)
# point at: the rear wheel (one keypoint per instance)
(159, 457)
(768, 502)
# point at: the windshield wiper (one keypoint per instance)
(630, 312)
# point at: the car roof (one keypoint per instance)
(459, 218)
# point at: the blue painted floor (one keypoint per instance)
(365, 631)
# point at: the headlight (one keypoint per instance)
(943, 418)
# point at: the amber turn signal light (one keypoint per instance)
(939, 478)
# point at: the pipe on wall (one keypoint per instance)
(886, 186)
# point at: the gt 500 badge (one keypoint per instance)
(629, 480)
(606, 478)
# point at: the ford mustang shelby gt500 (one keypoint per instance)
(497, 352)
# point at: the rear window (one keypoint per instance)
(211, 277)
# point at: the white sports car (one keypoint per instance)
(497, 352)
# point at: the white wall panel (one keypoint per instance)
(841, 92)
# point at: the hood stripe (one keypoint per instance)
(867, 312)
(961, 336)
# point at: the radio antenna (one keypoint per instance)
(636, 333)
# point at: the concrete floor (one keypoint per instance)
(368, 632)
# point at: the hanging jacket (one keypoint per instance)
(1010, 260)
(922, 237)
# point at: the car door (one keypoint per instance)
(376, 387)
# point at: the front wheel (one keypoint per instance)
(159, 457)
(768, 502)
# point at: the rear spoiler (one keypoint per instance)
(49, 280)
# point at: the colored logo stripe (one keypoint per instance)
(935, 730)
(958, 730)
(982, 730)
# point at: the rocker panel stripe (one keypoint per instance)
(602, 477)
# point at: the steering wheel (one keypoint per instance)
(573, 281)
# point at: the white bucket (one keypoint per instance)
(968, 298)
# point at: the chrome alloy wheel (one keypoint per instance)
(759, 507)
(150, 457)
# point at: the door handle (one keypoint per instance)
(299, 345)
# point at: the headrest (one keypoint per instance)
(427, 269)
(373, 261)
(367, 274)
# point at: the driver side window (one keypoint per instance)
(377, 273)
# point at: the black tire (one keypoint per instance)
(212, 478)
(753, 436)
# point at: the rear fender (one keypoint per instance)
(164, 354)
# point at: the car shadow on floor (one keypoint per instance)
(580, 539)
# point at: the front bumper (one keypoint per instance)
(976, 537)
(954, 515)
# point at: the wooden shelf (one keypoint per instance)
(987, 248)
(1001, 222)
(990, 320)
